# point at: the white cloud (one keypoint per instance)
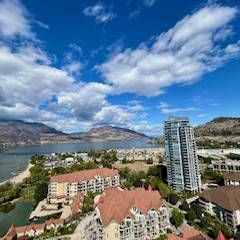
(32, 89)
(149, 3)
(13, 20)
(101, 13)
(113, 115)
(134, 14)
(26, 85)
(73, 68)
(167, 109)
(180, 56)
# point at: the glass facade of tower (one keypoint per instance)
(181, 155)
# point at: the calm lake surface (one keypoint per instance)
(15, 160)
(18, 216)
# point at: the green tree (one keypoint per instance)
(106, 164)
(149, 161)
(158, 171)
(88, 202)
(172, 198)
(124, 161)
(41, 191)
(176, 218)
(184, 206)
(191, 215)
(58, 170)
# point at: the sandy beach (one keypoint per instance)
(19, 178)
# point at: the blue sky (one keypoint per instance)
(75, 65)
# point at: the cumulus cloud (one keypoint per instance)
(101, 13)
(180, 56)
(41, 92)
(13, 20)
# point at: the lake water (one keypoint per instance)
(15, 160)
(18, 216)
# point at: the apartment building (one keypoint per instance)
(223, 202)
(128, 215)
(181, 155)
(62, 188)
(232, 178)
(227, 165)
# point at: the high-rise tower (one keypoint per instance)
(181, 155)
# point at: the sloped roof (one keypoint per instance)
(27, 228)
(233, 176)
(172, 236)
(84, 175)
(188, 233)
(54, 222)
(220, 236)
(77, 203)
(11, 233)
(227, 197)
(115, 203)
(191, 233)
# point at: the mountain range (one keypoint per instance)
(220, 129)
(20, 132)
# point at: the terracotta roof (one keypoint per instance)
(190, 233)
(234, 176)
(25, 229)
(11, 233)
(220, 236)
(55, 221)
(77, 204)
(115, 203)
(84, 175)
(227, 197)
(174, 237)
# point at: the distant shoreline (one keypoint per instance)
(19, 177)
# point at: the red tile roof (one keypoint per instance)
(11, 233)
(84, 175)
(191, 233)
(174, 237)
(54, 222)
(188, 233)
(32, 227)
(220, 236)
(77, 204)
(115, 203)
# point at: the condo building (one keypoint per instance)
(181, 155)
(225, 166)
(137, 214)
(231, 178)
(62, 188)
(223, 202)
